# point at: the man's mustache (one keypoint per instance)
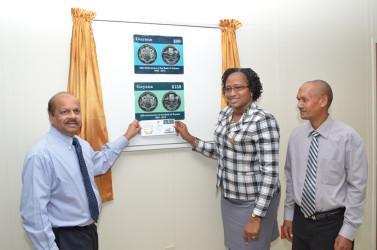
(72, 121)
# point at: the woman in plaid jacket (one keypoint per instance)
(246, 145)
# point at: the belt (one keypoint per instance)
(77, 227)
(324, 215)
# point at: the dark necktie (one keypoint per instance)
(93, 205)
(308, 193)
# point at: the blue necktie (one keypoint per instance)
(308, 193)
(93, 205)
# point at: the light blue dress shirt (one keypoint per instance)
(53, 193)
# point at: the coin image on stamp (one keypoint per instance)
(171, 101)
(148, 101)
(170, 54)
(147, 54)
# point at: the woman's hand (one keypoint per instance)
(252, 229)
(181, 128)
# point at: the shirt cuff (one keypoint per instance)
(259, 212)
(288, 214)
(348, 231)
(198, 144)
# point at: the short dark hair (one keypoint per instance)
(51, 103)
(252, 77)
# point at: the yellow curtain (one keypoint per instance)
(84, 82)
(229, 48)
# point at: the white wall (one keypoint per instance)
(167, 197)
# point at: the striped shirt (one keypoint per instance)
(248, 156)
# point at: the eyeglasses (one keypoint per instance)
(236, 89)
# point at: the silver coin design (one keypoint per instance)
(147, 54)
(170, 54)
(148, 101)
(171, 101)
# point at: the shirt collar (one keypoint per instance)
(67, 140)
(324, 129)
(249, 111)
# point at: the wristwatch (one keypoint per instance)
(253, 215)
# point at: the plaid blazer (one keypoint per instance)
(248, 156)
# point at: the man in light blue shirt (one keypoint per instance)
(54, 202)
